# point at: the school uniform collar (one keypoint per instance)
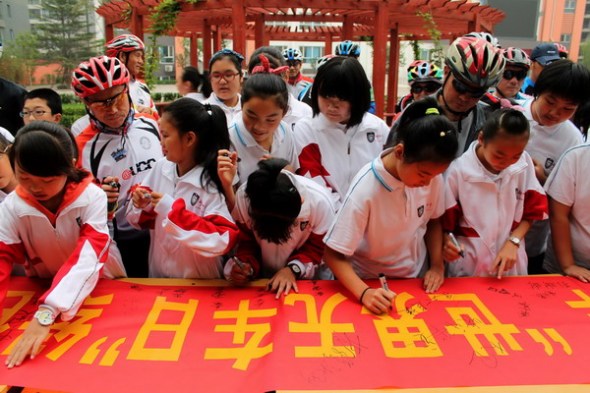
(246, 139)
(326, 124)
(73, 191)
(386, 179)
(192, 177)
(474, 170)
(217, 101)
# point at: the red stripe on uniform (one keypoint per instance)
(536, 206)
(310, 161)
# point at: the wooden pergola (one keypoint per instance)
(240, 20)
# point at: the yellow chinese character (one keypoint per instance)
(584, 303)
(250, 349)
(140, 352)
(322, 325)
(7, 313)
(475, 326)
(405, 336)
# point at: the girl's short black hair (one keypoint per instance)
(209, 123)
(426, 134)
(344, 78)
(46, 149)
(200, 82)
(275, 202)
(265, 85)
(233, 56)
(565, 79)
(510, 121)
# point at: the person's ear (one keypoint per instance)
(191, 138)
(398, 151)
(57, 117)
(480, 138)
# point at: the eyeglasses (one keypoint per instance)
(462, 88)
(293, 63)
(37, 113)
(519, 75)
(428, 88)
(228, 76)
(109, 102)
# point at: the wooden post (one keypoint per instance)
(393, 76)
(379, 56)
(259, 36)
(347, 28)
(328, 44)
(239, 26)
(194, 54)
(206, 45)
(217, 39)
(109, 31)
(137, 24)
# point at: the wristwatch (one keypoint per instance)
(44, 316)
(514, 240)
(295, 269)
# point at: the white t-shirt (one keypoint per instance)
(382, 223)
(230, 111)
(569, 184)
(546, 145)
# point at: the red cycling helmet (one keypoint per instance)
(475, 61)
(98, 74)
(123, 43)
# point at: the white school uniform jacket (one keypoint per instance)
(332, 155)
(569, 184)
(70, 246)
(231, 112)
(546, 145)
(2, 195)
(305, 246)
(250, 152)
(482, 209)
(297, 110)
(190, 227)
(382, 223)
(129, 157)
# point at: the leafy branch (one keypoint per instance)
(434, 32)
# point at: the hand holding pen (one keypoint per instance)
(452, 249)
(378, 300)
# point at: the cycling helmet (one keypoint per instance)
(475, 61)
(485, 36)
(423, 71)
(563, 52)
(123, 43)
(292, 54)
(97, 74)
(324, 59)
(516, 57)
(348, 48)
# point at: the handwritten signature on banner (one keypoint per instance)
(127, 325)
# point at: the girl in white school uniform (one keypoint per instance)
(181, 199)
(389, 220)
(259, 131)
(282, 219)
(342, 136)
(492, 196)
(226, 76)
(55, 223)
(7, 179)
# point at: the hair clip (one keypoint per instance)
(264, 67)
(432, 111)
(231, 52)
(208, 108)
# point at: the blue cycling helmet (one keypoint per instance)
(348, 48)
(292, 54)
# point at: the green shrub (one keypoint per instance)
(71, 113)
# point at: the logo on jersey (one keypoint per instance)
(119, 154)
(420, 211)
(371, 137)
(303, 225)
(195, 199)
(145, 143)
(518, 194)
(549, 163)
(138, 168)
(79, 222)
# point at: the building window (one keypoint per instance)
(312, 53)
(34, 2)
(166, 54)
(35, 13)
(566, 38)
(570, 6)
(8, 12)
(586, 24)
(11, 33)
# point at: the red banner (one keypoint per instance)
(204, 336)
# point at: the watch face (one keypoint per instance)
(295, 269)
(45, 317)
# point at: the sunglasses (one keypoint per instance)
(109, 102)
(462, 88)
(293, 63)
(519, 75)
(428, 88)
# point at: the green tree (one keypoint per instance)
(585, 52)
(65, 35)
(19, 58)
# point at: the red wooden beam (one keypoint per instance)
(379, 56)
